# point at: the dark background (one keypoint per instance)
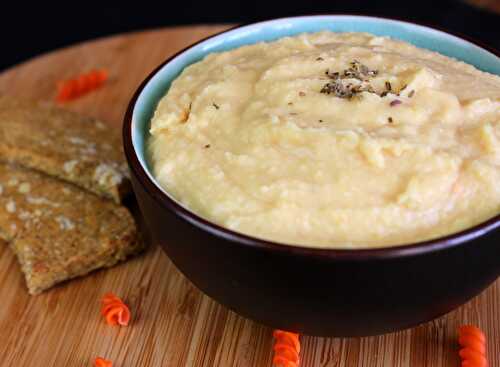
(27, 30)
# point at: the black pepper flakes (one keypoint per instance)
(412, 92)
(357, 71)
(388, 86)
(319, 59)
(216, 106)
(340, 90)
(320, 120)
(207, 146)
(395, 103)
(390, 120)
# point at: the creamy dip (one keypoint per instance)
(337, 140)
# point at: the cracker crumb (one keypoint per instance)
(12, 182)
(123, 168)
(24, 188)
(77, 141)
(41, 201)
(105, 174)
(89, 150)
(11, 206)
(24, 215)
(65, 223)
(69, 166)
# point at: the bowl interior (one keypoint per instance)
(418, 35)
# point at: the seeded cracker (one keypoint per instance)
(59, 231)
(60, 143)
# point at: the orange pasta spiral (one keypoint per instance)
(73, 88)
(473, 343)
(286, 349)
(101, 362)
(114, 310)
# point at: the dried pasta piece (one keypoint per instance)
(101, 362)
(473, 343)
(286, 349)
(68, 90)
(115, 311)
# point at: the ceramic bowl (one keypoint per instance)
(324, 292)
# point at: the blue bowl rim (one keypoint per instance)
(342, 254)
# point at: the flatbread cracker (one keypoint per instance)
(77, 149)
(59, 231)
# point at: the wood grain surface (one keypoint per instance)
(174, 324)
(493, 5)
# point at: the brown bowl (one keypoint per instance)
(323, 292)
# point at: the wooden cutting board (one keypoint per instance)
(174, 324)
(493, 5)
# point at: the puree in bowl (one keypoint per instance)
(332, 140)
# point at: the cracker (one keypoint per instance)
(59, 231)
(77, 149)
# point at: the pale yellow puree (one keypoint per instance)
(402, 145)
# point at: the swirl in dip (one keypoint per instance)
(337, 140)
